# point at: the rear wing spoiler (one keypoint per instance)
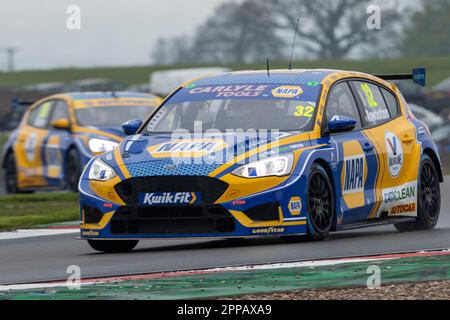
(418, 76)
(16, 103)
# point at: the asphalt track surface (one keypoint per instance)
(47, 258)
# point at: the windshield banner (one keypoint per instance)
(307, 92)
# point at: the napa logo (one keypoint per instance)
(354, 174)
(394, 153)
(168, 198)
(187, 148)
(287, 92)
(295, 206)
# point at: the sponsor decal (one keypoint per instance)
(398, 194)
(296, 146)
(187, 148)
(354, 174)
(268, 230)
(238, 202)
(158, 198)
(394, 153)
(421, 130)
(400, 200)
(295, 206)
(230, 91)
(403, 208)
(377, 115)
(287, 92)
(90, 233)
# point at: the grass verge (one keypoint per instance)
(31, 210)
(438, 68)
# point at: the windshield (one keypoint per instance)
(259, 107)
(112, 116)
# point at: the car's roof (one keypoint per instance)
(107, 95)
(286, 77)
(100, 98)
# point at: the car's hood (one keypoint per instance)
(115, 133)
(164, 154)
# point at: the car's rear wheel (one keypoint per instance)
(113, 246)
(428, 199)
(72, 170)
(320, 203)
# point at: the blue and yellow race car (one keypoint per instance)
(59, 134)
(285, 153)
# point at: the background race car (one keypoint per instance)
(59, 134)
(300, 152)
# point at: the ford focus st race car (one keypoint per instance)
(241, 154)
(58, 135)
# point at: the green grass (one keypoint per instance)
(31, 210)
(438, 68)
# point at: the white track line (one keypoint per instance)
(28, 233)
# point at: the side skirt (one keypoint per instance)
(374, 223)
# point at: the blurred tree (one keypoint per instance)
(333, 29)
(177, 50)
(237, 32)
(160, 54)
(251, 30)
(427, 32)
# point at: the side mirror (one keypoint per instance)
(341, 124)
(131, 127)
(62, 124)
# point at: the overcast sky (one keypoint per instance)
(113, 32)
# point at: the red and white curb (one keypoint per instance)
(162, 275)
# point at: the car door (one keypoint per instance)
(395, 140)
(356, 160)
(29, 146)
(56, 143)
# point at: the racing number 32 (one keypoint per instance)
(302, 111)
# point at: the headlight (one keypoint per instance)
(273, 166)
(101, 171)
(100, 145)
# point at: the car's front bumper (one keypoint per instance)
(276, 211)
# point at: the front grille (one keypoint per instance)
(264, 212)
(211, 189)
(193, 219)
(91, 215)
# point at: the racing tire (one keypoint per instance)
(11, 176)
(72, 170)
(428, 199)
(113, 246)
(320, 204)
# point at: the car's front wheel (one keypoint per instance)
(11, 174)
(72, 170)
(113, 246)
(428, 199)
(320, 203)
